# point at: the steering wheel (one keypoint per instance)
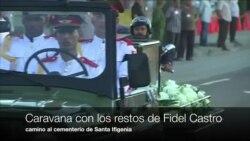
(57, 51)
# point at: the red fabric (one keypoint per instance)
(239, 25)
(49, 59)
(117, 7)
(83, 60)
(214, 25)
(72, 22)
(127, 40)
(246, 24)
(85, 40)
(198, 27)
(88, 62)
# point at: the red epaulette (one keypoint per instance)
(125, 39)
(88, 62)
(85, 40)
(50, 36)
(49, 59)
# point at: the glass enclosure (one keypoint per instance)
(54, 43)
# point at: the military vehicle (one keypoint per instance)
(27, 96)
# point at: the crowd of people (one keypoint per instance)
(175, 22)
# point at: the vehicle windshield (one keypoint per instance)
(58, 46)
(68, 44)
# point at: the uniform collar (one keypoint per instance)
(84, 60)
(99, 39)
(70, 62)
(36, 38)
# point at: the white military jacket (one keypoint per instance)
(95, 51)
(21, 48)
(65, 68)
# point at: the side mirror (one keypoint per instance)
(138, 70)
(4, 26)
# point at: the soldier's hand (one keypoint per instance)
(167, 68)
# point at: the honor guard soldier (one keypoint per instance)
(95, 49)
(17, 49)
(67, 34)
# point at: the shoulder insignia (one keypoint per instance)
(127, 40)
(49, 59)
(85, 40)
(88, 62)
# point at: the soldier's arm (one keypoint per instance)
(6, 47)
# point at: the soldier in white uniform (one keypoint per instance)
(95, 49)
(18, 48)
(67, 34)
